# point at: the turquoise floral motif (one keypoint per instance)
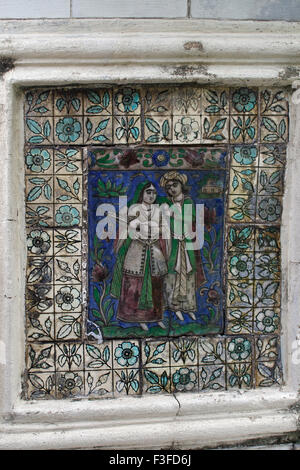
(240, 375)
(244, 100)
(38, 160)
(267, 321)
(186, 129)
(269, 209)
(241, 265)
(38, 242)
(245, 155)
(127, 101)
(240, 319)
(67, 216)
(127, 354)
(239, 349)
(268, 267)
(68, 129)
(68, 298)
(184, 379)
(160, 158)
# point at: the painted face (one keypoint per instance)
(173, 188)
(149, 195)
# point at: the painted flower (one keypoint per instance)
(100, 272)
(68, 298)
(213, 297)
(69, 383)
(184, 379)
(244, 100)
(38, 242)
(67, 216)
(127, 101)
(68, 129)
(127, 354)
(160, 158)
(241, 265)
(269, 209)
(267, 321)
(268, 266)
(186, 129)
(239, 349)
(245, 155)
(38, 160)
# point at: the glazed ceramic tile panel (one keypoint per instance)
(108, 316)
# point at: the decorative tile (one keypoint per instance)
(211, 351)
(241, 208)
(184, 379)
(40, 357)
(97, 101)
(266, 320)
(244, 155)
(241, 238)
(158, 129)
(127, 129)
(244, 100)
(39, 102)
(127, 100)
(238, 349)
(68, 130)
(39, 242)
(127, 382)
(98, 356)
(243, 129)
(187, 101)
(67, 161)
(158, 101)
(274, 129)
(187, 129)
(270, 181)
(69, 384)
(266, 347)
(239, 376)
(98, 130)
(67, 242)
(215, 129)
(184, 352)
(126, 354)
(224, 149)
(243, 180)
(41, 385)
(40, 327)
(68, 102)
(69, 357)
(68, 298)
(240, 266)
(39, 130)
(157, 380)
(268, 374)
(211, 378)
(239, 321)
(155, 354)
(68, 326)
(273, 101)
(68, 188)
(99, 384)
(215, 101)
(272, 155)
(267, 238)
(269, 209)
(38, 160)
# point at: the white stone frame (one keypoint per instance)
(102, 51)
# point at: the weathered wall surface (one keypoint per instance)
(288, 10)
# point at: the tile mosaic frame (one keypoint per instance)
(59, 124)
